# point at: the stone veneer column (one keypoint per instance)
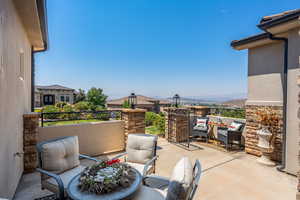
(134, 121)
(177, 124)
(253, 125)
(30, 131)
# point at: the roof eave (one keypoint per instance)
(250, 42)
(281, 20)
(42, 12)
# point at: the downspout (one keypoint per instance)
(32, 80)
(284, 112)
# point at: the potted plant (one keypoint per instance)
(266, 135)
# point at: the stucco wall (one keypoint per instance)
(292, 147)
(265, 68)
(14, 96)
(95, 138)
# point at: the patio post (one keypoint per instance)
(134, 121)
(30, 132)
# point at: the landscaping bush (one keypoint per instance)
(150, 117)
(82, 106)
(50, 109)
(60, 105)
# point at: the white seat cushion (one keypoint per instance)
(139, 167)
(201, 124)
(181, 180)
(60, 155)
(147, 193)
(140, 148)
(66, 177)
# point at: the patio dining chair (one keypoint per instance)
(140, 152)
(58, 163)
(181, 186)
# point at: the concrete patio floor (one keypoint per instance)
(226, 176)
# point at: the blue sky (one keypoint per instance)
(151, 47)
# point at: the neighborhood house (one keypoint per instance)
(49, 95)
(148, 103)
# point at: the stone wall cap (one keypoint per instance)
(137, 110)
(31, 114)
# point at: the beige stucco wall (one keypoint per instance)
(95, 138)
(292, 147)
(14, 96)
(265, 67)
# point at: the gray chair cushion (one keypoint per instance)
(60, 155)
(200, 128)
(147, 193)
(223, 132)
(140, 148)
(66, 177)
(181, 180)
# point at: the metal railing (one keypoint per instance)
(103, 115)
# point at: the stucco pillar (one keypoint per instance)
(177, 124)
(134, 121)
(30, 131)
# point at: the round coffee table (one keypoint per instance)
(75, 193)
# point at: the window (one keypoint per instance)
(62, 98)
(21, 65)
(67, 99)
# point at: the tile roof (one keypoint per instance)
(140, 100)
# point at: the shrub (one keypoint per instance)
(82, 106)
(159, 123)
(51, 109)
(126, 104)
(150, 117)
(60, 104)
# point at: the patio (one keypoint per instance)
(226, 175)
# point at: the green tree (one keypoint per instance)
(126, 104)
(150, 117)
(80, 96)
(96, 97)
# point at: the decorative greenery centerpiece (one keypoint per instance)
(106, 176)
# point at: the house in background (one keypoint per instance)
(148, 103)
(23, 32)
(51, 94)
(273, 74)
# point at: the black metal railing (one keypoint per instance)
(103, 115)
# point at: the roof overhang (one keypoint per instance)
(33, 15)
(278, 26)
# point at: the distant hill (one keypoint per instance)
(235, 102)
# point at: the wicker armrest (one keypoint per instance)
(222, 128)
(58, 180)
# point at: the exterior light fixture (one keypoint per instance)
(132, 100)
(176, 100)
